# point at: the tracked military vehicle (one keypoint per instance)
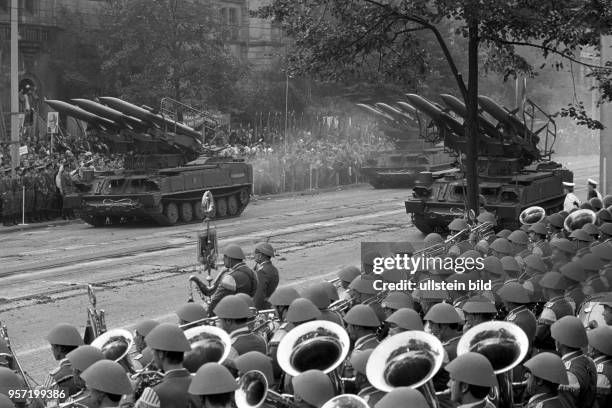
(514, 166)
(403, 126)
(166, 179)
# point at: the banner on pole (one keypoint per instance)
(23, 150)
(52, 122)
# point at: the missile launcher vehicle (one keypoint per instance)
(403, 126)
(165, 180)
(514, 164)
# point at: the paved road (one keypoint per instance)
(142, 271)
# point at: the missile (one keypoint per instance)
(104, 111)
(502, 115)
(394, 112)
(81, 114)
(459, 108)
(436, 113)
(406, 107)
(372, 110)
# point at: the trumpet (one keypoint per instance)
(342, 305)
(74, 404)
(253, 391)
(431, 251)
(482, 231)
(145, 378)
(207, 321)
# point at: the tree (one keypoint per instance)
(334, 38)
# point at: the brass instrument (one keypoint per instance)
(578, 219)
(12, 357)
(207, 251)
(210, 342)
(408, 359)
(145, 378)
(341, 305)
(482, 231)
(532, 215)
(378, 298)
(432, 251)
(504, 344)
(265, 323)
(118, 342)
(96, 317)
(253, 391)
(207, 321)
(346, 401)
(74, 404)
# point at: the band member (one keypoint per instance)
(471, 380)
(600, 344)
(11, 381)
(234, 316)
(553, 288)
(312, 388)
(346, 275)
(547, 373)
(367, 263)
(267, 275)
(81, 359)
(535, 268)
(570, 337)
(141, 330)
(512, 269)
(592, 190)
(538, 234)
(515, 298)
(395, 301)
(107, 383)
(562, 252)
(254, 360)
(519, 240)
(190, 313)
(403, 320)
(478, 309)
(555, 226)
(501, 247)
(581, 240)
(169, 344)
(403, 397)
(571, 200)
(214, 386)
(63, 338)
(281, 299)
(575, 274)
(319, 295)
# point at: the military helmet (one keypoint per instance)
(581, 235)
(191, 312)
(604, 215)
(212, 378)
(433, 238)
(518, 237)
(603, 251)
(524, 228)
(503, 233)
(283, 296)
(393, 275)
(403, 248)
(302, 310)
(406, 319)
(607, 200)
(586, 206)
(5, 402)
(232, 307)
(509, 263)
(84, 356)
(9, 380)
(318, 295)
(570, 332)
(554, 280)
(348, 273)
(601, 339)
(470, 253)
(362, 315)
(65, 335)
(246, 299)
(606, 228)
(314, 387)
(574, 271)
(397, 300)
(472, 368)
(479, 304)
(514, 292)
(167, 337)
(482, 247)
(107, 376)
(487, 216)
(403, 397)
(563, 244)
(144, 327)
(591, 262)
(501, 245)
(233, 251)
(255, 360)
(556, 220)
(457, 224)
(590, 229)
(363, 284)
(265, 248)
(443, 313)
(330, 288)
(538, 228)
(368, 257)
(534, 261)
(359, 360)
(549, 367)
(596, 203)
(493, 265)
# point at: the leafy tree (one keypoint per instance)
(339, 38)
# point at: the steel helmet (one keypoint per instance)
(539, 228)
(363, 284)
(9, 381)
(402, 248)
(601, 339)
(556, 220)
(482, 247)
(563, 244)
(406, 319)
(570, 332)
(167, 337)
(212, 378)
(501, 245)
(144, 327)
(232, 307)
(534, 261)
(479, 304)
(191, 312)
(472, 368)
(470, 253)
(433, 238)
(107, 376)
(398, 300)
(591, 263)
(283, 296)
(518, 237)
(332, 291)
(457, 224)
(302, 310)
(255, 360)
(606, 228)
(603, 251)
(509, 263)
(493, 265)
(503, 233)
(590, 229)
(554, 280)
(524, 228)
(394, 275)
(549, 367)
(233, 251)
(359, 360)
(84, 356)
(581, 235)
(314, 387)
(604, 215)
(443, 313)
(607, 201)
(265, 248)
(348, 273)
(5, 402)
(65, 335)
(574, 271)
(246, 299)
(586, 206)
(318, 295)
(487, 216)
(362, 315)
(403, 397)
(514, 292)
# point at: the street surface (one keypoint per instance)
(142, 271)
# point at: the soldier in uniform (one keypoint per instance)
(520, 241)
(455, 227)
(501, 247)
(254, 360)
(403, 397)
(169, 344)
(362, 290)
(570, 337)
(600, 344)
(312, 389)
(592, 190)
(281, 299)
(11, 381)
(478, 309)
(238, 278)
(267, 275)
(63, 338)
(538, 233)
(562, 253)
(107, 383)
(395, 301)
(363, 388)
(403, 320)
(318, 295)
(471, 380)
(555, 226)
(141, 330)
(346, 275)
(234, 316)
(594, 283)
(190, 313)
(581, 240)
(214, 387)
(512, 269)
(361, 325)
(575, 274)
(547, 374)
(515, 297)
(553, 288)
(81, 359)
(571, 200)
(605, 232)
(535, 268)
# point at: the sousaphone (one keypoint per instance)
(579, 218)
(532, 215)
(317, 345)
(115, 344)
(209, 344)
(253, 391)
(346, 401)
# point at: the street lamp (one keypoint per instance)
(287, 76)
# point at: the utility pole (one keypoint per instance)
(286, 106)
(605, 135)
(14, 85)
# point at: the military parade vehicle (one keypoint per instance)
(402, 125)
(166, 170)
(514, 164)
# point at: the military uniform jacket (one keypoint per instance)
(239, 279)
(525, 319)
(603, 364)
(243, 341)
(485, 403)
(542, 248)
(582, 375)
(267, 281)
(546, 401)
(366, 342)
(575, 293)
(371, 395)
(170, 393)
(62, 378)
(571, 202)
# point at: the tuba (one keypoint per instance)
(208, 344)
(95, 317)
(253, 392)
(115, 344)
(532, 215)
(504, 344)
(408, 359)
(346, 401)
(579, 218)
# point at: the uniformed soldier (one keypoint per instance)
(362, 386)
(511, 267)
(553, 288)
(11, 381)
(362, 290)
(592, 190)
(361, 325)
(267, 275)
(191, 314)
(367, 263)
(234, 316)
(141, 330)
(571, 200)
(5, 402)
(346, 275)
(592, 230)
(281, 299)
(594, 283)
(403, 320)
(606, 302)
(493, 270)
(238, 278)
(515, 298)
(455, 227)
(562, 252)
(500, 247)
(600, 343)
(603, 217)
(395, 301)
(81, 359)
(581, 240)
(570, 337)
(107, 384)
(605, 232)
(432, 239)
(538, 234)
(535, 268)
(547, 372)
(63, 338)
(318, 295)
(169, 344)
(312, 388)
(214, 386)
(254, 360)
(575, 274)
(519, 240)
(471, 379)
(555, 226)
(478, 309)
